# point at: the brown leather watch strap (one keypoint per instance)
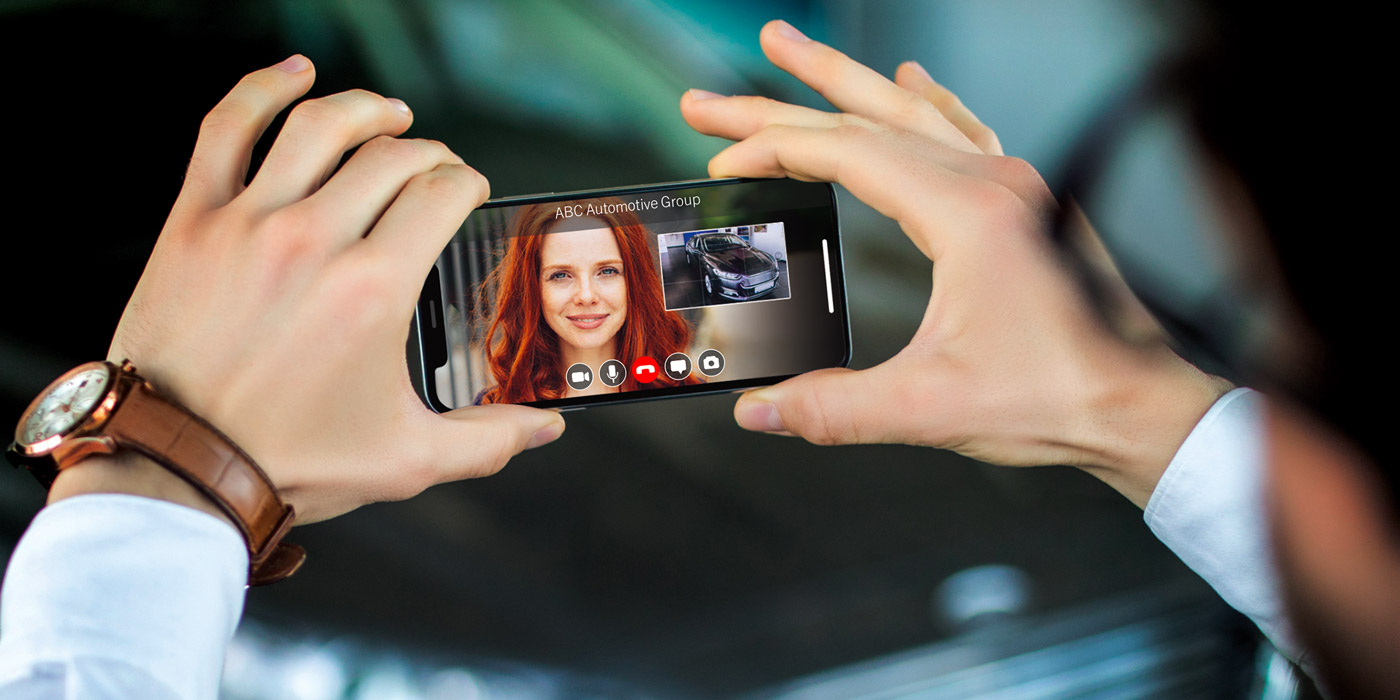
(200, 454)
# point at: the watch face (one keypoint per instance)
(65, 404)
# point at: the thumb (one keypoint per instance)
(832, 407)
(479, 440)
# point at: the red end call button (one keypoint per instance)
(645, 369)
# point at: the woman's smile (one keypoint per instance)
(588, 321)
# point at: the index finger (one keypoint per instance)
(876, 167)
(219, 166)
(852, 87)
(912, 77)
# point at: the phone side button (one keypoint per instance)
(573, 408)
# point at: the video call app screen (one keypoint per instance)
(557, 301)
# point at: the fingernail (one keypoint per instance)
(400, 105)
(919, 68)
(295, 63)
(787, 31)
(698, 94)
(546, 435)
(757, 414)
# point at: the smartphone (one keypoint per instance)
(579, 299)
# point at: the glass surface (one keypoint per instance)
(65, 405)
(646, 293)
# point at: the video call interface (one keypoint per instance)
(668, 291)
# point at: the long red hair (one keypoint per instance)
(523, 351)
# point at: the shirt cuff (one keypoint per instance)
(1209, 509)
(146, 582)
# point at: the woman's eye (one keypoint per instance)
(610, 271)
(557, 275)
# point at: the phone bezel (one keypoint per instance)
(430, 302)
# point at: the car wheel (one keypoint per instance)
(709, 286)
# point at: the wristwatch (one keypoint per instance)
(99, 408)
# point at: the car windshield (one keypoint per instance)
(723, 243)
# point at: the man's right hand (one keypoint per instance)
(1011, 365)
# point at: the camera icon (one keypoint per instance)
(711, 362)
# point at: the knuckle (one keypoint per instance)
(390, 148)
(455, 182)
(438, 150)
(715, 167)
(1016, 170)
(942, 100)
(362, 94)
(992, 198)
(420, 473)
(500, 454)
(855, 129)
(285, 222)
(982, 135)
(286, 236)
(856, 126)
(415, 466)
(760, 103)
(1018, 175)
(230, 114)
(409, 480)
(769, 132)
(910, 109)
(322, 113)
(817, 423)
(259, 84)
(365, 288)
(1004, 213)
(360, 99)
(493, 445)
(182, 240)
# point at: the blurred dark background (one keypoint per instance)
(656, 550)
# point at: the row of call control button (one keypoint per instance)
(645, 369)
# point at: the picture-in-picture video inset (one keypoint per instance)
(725, 265)
(551, 301)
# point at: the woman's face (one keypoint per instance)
(582, 288)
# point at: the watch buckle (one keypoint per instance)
(276, 559)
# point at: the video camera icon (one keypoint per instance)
(579, 376)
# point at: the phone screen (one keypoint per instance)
(584, 298)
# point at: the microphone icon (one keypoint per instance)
(613, 373)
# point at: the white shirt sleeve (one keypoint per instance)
(119, 596)
(1209, 509)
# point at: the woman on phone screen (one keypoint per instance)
(588, 294)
